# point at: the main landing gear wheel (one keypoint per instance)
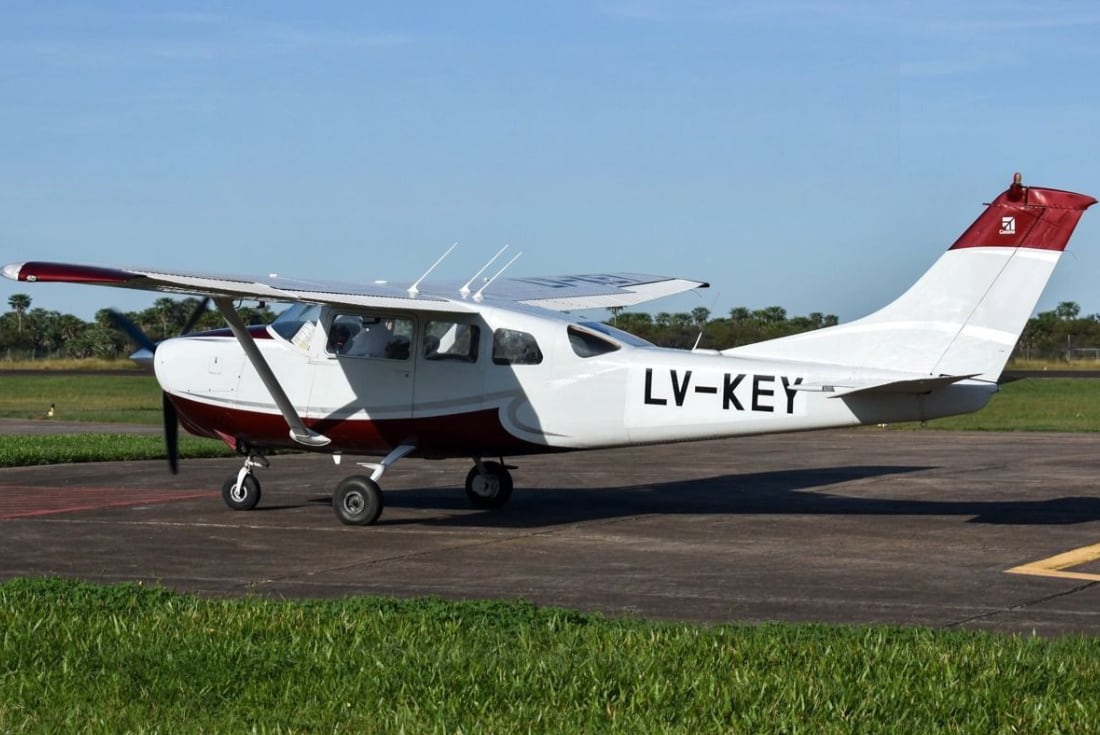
(244, 496)
(489, 485)
(358, 501)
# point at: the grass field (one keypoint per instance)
(131, 399)
(23, 451)
(81, 658)
(1046, 404)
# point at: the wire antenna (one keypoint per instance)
(413, 290)
(465, 290)
(477, 296)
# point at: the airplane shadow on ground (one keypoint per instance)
(779, 492)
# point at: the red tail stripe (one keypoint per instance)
(1028, 217)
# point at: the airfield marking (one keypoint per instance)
(1055, 566)
(27, 502)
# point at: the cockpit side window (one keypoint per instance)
(512, 347)
(366, 335)
(446, 340)
(586, 344)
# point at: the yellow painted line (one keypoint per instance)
(1055, 565)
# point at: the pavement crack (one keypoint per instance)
(1023, 605)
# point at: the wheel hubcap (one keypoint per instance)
(486, 486)
(238, 493)
(354, 502)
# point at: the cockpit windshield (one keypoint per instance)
(297, 323)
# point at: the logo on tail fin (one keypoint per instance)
(1008, 226)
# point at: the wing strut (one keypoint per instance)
(298, 430)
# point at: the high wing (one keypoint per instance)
(560, 293)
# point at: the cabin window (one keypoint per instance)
(444, 340)
(512, 347)
(586, 344)
(380, 337)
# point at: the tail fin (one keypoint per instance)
(965, 314)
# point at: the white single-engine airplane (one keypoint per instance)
(493, 368)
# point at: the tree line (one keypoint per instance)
(36, 333)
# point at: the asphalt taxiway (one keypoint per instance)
(992, 531)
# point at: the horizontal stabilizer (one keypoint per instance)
(915, 386)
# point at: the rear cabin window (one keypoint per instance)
(586, 344)
(380, 337)
(451, 341)
(512, 347)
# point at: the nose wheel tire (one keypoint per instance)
(490, 486)
(241, 497)
(358, 501)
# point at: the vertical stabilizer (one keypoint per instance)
(965, 314)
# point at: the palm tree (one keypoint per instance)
(19, 303)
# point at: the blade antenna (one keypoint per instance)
(465, 290)
(413, 290)
(477, 296)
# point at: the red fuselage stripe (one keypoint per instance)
(472, 433)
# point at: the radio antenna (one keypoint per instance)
(477, 296)
(465, 290)
(413, 290)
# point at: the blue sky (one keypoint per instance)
(814, 155)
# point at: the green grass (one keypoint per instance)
(79, 657)
(22, 451)
(134, 399)
(1047, 404)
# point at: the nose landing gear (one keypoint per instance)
(241, 491)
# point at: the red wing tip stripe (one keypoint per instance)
(68, 273)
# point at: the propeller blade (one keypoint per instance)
(195, 316)
(171, 434)
(122, 323)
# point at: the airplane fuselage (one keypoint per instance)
(574, 388)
